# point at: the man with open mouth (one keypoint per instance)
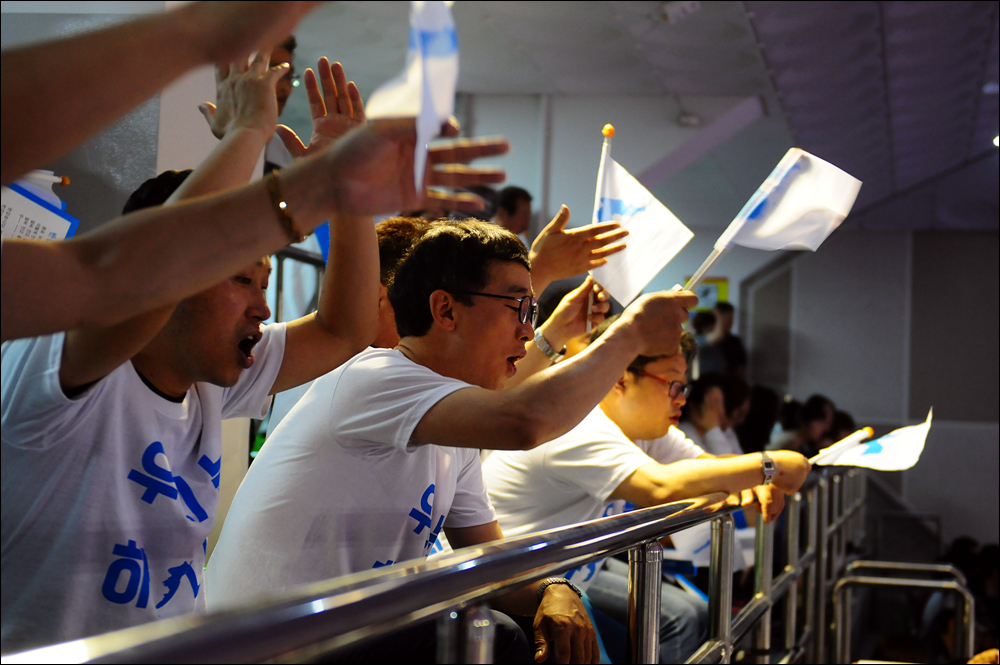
(382, 455)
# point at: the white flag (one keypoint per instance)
(655, 233)
(425, 90)
(896, 451)
(802, 202)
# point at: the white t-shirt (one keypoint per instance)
(108, 497)
(570, 479)
(340, 488)
(716, 441)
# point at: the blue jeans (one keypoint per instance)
(683, 617)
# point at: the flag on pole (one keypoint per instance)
(896, 451)
(425, 90)
(800, 204)
(655, 233)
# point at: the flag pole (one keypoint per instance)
(846, 442)
(608, 131)
(716, 253)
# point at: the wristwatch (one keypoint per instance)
(546, 348)
(767, 467)
(546, 583)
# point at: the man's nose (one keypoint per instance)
(259, 309)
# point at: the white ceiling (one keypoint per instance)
(890, 91)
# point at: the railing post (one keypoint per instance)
(645, 577)
(812, 582)
(466, 636)
(791, 599)
(763, 578)
(279, 291)
(822, 554)
(720, 586)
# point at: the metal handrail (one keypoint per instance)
(327, 616)
(905, 567)
(321, 617)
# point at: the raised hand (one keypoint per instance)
(558, 253)
(335, 105)
(370, 170)
(657, 318)
(244, 96)
(570, 317)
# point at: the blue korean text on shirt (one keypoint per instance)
(160, 481)
(424, 519)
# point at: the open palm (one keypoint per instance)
(335, 105)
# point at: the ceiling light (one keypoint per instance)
(991, 88)
(996, 141)
(689, 120)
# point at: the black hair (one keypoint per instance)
(843, 422)
(508, 197)
(396, 236)
(155, 191)
(289, 44)
(453, 256)
(790, 414)
(815, 409)
(688, 346)
(723, 307)
(703, 322)
(754, 433)
(735, 392)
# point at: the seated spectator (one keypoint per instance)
(513, 211)
(755, 432)
(729, 345)
(139, 407)
(628, 449)
(815, 420)
(715, 407)
(382, 455)
(843, 425)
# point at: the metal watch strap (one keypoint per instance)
(546, 583)
(767, 467)
(546, 348)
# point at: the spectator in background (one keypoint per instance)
(513, 212)
(729, 345)
(815, 421)
(716, 405)
(709, 358)
(843, 425)
(754, 433)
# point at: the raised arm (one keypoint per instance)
(551, 403)
(127, 64)
(655, 484)
(246, 96)
(560, 254)
(160, 256)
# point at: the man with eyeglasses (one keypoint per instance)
(382, 456)
(628, 450)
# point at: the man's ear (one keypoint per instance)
(442, 306)
(624, 382)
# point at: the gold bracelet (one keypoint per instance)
(281, 208)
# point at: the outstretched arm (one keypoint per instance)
(559, 254)
(127, 64)
(551, 403)
(155, 257)
(655, 484)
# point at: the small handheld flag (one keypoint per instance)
(800, 204)
(655, 233)
(896, 451)
(425, 90)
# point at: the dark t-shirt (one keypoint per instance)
(732, 350)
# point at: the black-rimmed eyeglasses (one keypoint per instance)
(527, 308)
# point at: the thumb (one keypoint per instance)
(541, 645)
(559, 222)
(208, 110)
(583, 291)
(275, 73)
(291, 140)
